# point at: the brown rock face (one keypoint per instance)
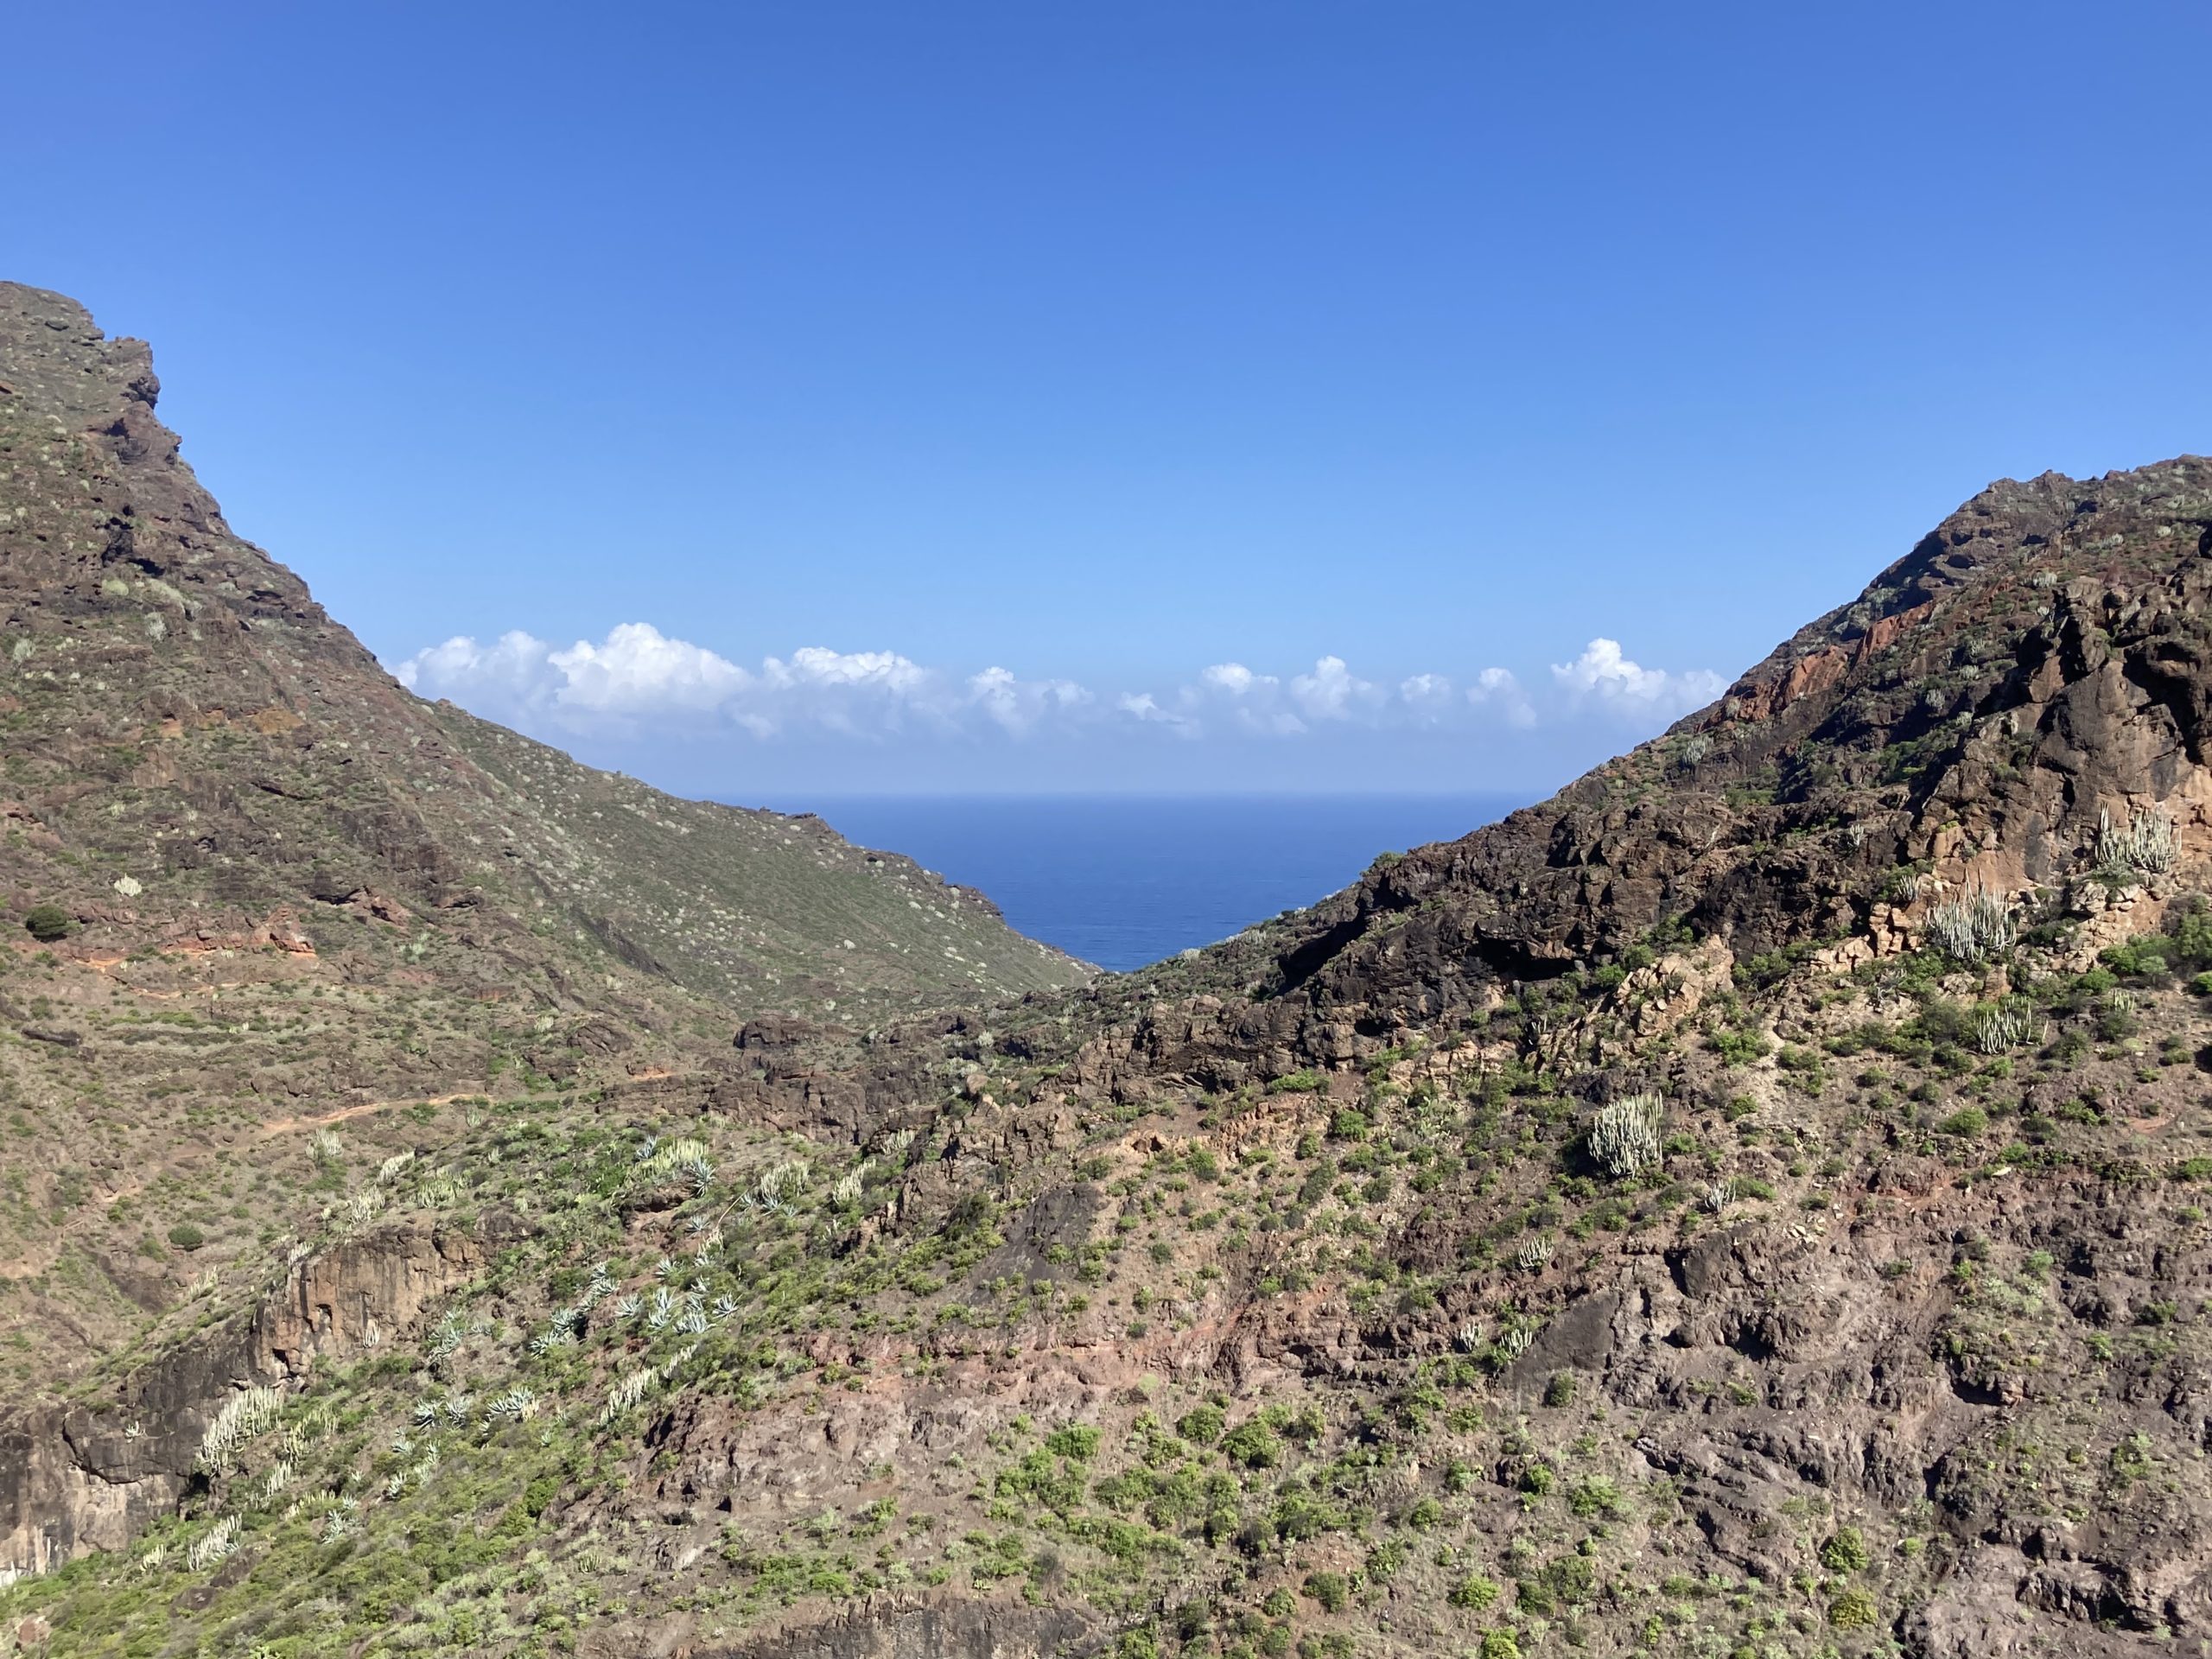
(73, 1480)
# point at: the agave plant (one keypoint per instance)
(518, 1404)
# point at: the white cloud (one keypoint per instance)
(1143, 707)
(638, 678)
(640, 670)
(1496, 688)
(1331, 691)
(500, 675)
(1603, 675)
(1428, 696)
(1237, 680)
(639, 674)
(883, 671)
(1018, 706)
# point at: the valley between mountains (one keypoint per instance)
(453, 1201)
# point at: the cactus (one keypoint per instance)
(626, 1392)
(1625, 1136)
(1969, 928)
(214, 1545)
(2006, 1026)
(1512, 1341)
(2146, 846)
(242, 1417)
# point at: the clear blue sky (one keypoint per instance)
(1107, 344)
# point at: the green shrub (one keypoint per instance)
(1966, 1124)
(1854, 1610)
(2146, 956)
(1738, 1047)
(1201, 1425)
(186, 1236)
(1079, 1441)
(1500, 1644)
(1330, 1589)
(46, 923)
(1477, 1592)
(1253, 1443)
(1595, 1497)
(1846, 1552)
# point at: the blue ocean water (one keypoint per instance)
(1123, 881)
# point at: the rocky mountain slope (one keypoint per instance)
(1751, 1203)
(251, 885)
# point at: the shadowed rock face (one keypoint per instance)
(944, 1631)
(2039, 663)
(78, 1479)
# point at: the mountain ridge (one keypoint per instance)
(139, 534)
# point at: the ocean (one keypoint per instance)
(1123, 881)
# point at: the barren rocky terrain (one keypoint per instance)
(1752, 1204)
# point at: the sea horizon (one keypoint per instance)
(1124, 879)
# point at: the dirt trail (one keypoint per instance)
(361, 1108)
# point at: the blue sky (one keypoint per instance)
(807, 364)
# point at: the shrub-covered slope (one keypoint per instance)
(251, 887)
(1751, 1203)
